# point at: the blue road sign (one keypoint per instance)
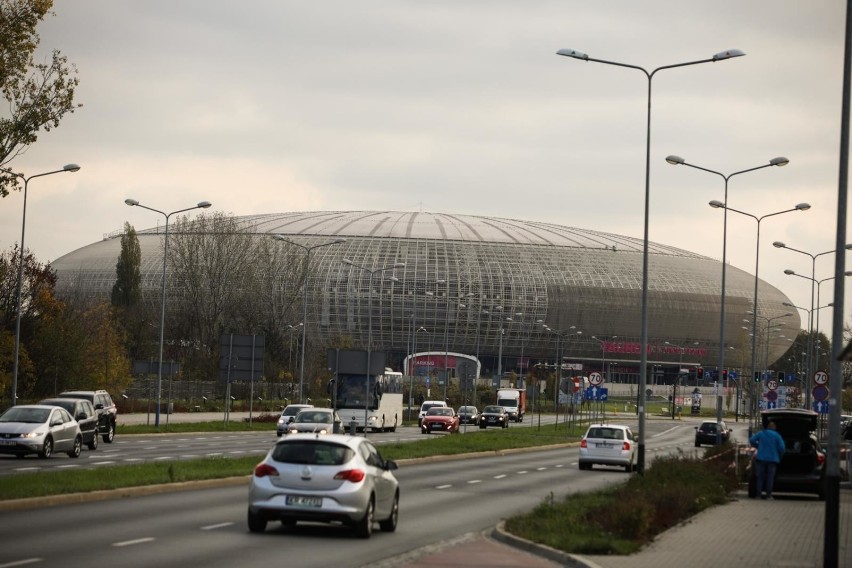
(596, 393)
(603, 394)
(821, 407)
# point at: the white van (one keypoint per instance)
(427, 404)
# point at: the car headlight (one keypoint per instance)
(373, 418)
(323, 431)
(35, 434)
(293, 431)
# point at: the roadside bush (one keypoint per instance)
(621, 519)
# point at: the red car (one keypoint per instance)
(440, 419)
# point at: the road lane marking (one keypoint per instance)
(540, 468)
(475, 481)
(443, 486)
(521, 472)
(132, 542)
(558, 465)
(22, 562)
(501, 476)
(217, 526)
(104, 463)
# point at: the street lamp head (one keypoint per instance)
(675, 160)
(789, 272)
(728, 54)
(204, 204)
(779, 161)
(717, 204)
(71, 168)
(803, 206)
(131, 202)
(573, 53)
(779, 244)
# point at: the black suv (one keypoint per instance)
(105, 408)
(706, 433)
(802, 468)
(84, 413)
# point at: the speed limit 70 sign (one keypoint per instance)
(821, 378)
(595, 379)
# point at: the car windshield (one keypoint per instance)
(467, 410)
(29, 415)
(493, 409)
(312, 452)
(426, 407)
(605, 433)
(292, 411)
(315, 417)
(440, 411)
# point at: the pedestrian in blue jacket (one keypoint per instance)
(770, 449)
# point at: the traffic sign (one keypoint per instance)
(820, 392)
(821, 407)
(821, 378)
(596, 378)
(772, 384)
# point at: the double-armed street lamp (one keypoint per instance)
(678, 161)
(371, 272)
(811, 370)
(719, 205)
(307, 250)
(19, 283)
(643, 371)
(135, 203)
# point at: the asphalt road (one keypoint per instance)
(441, 500)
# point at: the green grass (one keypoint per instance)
(621, 519)
(113, 477)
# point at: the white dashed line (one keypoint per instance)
(218, 526)
(22, 562)
(443, 487)
(104, 463)
(27, 469)
(472, 481)
(540, 468)
(132, 542)
(501, 476)
(558, 465)
(160, 458)
(521, 472)
(69, 466)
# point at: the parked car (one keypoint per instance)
(105, 408)
(333, 478)
(706, 433)
(440, 419)
(802, 468)
(468, 415)
(84, 413)
(315, 420)
(494, 415)
(608, 444)
(39, 429)
(288, 415)
(424, 408)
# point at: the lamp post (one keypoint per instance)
(602, 343)
(372, 272)
(307, 250)
(719, 205)
(811, 370)
(643, 372)
(19, 284)
(677, 160)
(413, 367)
(135, 203)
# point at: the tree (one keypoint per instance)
(127, 290)
(38, 95)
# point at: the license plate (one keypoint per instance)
(8, 442)
(604, 445)
(437, 426)
(304, 501)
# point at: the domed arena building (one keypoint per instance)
(511, 293)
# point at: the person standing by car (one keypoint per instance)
(770, 449)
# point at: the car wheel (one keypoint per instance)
(752, 486)
(110, 435)
(697, 444)
(481, 427)
(77, 449)
(389, 524)
(256, 523)
(47, 448)
(364, 527)
(585, 466)
(628, 468)
(93, 444)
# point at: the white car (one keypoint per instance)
(608, 444)
(316, 421)
(288, 415)
(331, 478)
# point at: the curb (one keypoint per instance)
(499, 533)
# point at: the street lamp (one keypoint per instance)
(135, 203)
(643, 372)
(677, 160)
(810, 371)
(307, 250)
(372, 272)
(719, 205)
(19, 284)
(602, 343)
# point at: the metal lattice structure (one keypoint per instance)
(465, 275)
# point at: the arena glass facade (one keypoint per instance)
(484, 286)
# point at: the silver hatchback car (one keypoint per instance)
(39, 429)
(324, 478)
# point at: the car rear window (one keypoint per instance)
(440, 411)
(493, 409)
(606, 433)
(312, 453)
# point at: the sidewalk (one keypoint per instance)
(745, 532)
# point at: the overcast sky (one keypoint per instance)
(454, 107)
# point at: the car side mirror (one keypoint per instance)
(99, 406)
(391, 465)
(291, 420)
(81, 416)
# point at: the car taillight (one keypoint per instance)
(583, 444)
(353, 475)
(626, 446)
(820, 458)
(264, 469)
